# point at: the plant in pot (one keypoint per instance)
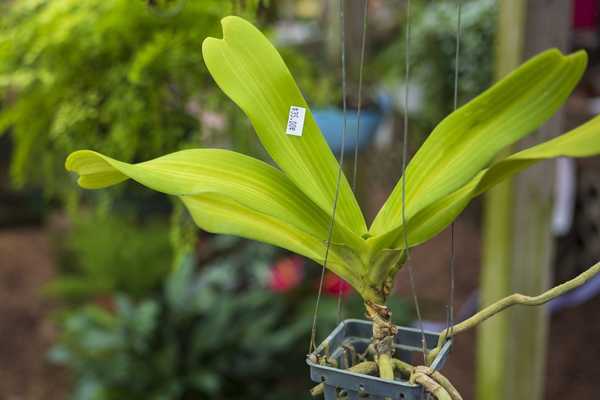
(298, 205)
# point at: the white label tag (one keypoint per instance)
(295, 123)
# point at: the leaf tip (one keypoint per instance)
(579, 57)
(73, 161)
(231, 27)
(232, 19)
(208, 44)
(94, 170)
(210, 41)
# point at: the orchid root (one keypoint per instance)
(513, 299)
(433, 381)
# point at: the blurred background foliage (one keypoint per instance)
(122, 77)
(433, 53)
(149, 307)
(96, 262)
(105, 74)
(225, 330)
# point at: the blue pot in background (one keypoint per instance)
(331, 122)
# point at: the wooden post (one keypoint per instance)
(518, 246)
(492, 343)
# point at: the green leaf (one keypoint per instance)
(251, 72)
(247, 180)
(583, 141)
(468, 139)
(218, 214)
(230, 193)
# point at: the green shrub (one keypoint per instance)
(108, 252)
(433, 51)
(112, 74)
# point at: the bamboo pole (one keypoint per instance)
(492, 344)
(517, 251)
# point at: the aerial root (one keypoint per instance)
(433, 381)
(512, 300)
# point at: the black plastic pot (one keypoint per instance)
(358, 386)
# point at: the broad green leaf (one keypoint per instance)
(230, 193)
(251, 72)
(248, 181)
(468, 139)
(583, 141)
(218, 214)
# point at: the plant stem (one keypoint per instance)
(383, 337)
(515, 299)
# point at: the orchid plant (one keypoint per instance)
(291, 205)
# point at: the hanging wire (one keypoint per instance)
(344, 109)
(452, 244)
(360, 83)
(411, 278)
(313, 333)
(357, 133)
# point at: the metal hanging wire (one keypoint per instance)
(450, 324)
(313, 334)
(357, 132)
(360, 84)
(411, 278)
(344, 124)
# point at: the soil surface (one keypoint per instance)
(26, 332)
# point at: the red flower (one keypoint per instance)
(335, 285)
(286, 274)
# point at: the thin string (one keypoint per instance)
(357, 133)
(344, 109)
(452, 244)
(360, 82)
(411, 278)
(313, 334)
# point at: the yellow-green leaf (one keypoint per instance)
(251, 72)
(583, 141)
(218, 214)
(248, 181)
(468, 139)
